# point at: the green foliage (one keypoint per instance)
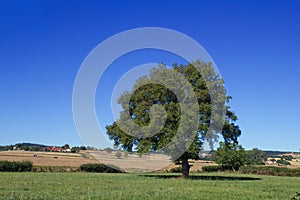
(108, 150)
(219, 168)
(212, 168)
(91, 148)
(30, 146)
(255, 157)
(276, 154)
(75, 149)
(55, 169)
(283, 162)
(100, 168)
(13, 166)
(145, 94)
(118, 154)
(6, 148)
(82, 148)
(270, 170)
(176, 170)
(287, 157)
(230, 156)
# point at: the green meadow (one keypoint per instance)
(29, 185)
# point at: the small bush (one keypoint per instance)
(212, 168)
(13, 166)
(283, 162)
(99, 168)
(289, 157)
(118, 154)
(108, 150)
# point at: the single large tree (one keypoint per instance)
(175, 120)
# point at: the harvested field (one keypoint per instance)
(49, 158)
(130, 162)
(133, 162)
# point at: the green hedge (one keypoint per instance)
(100, 168)
(275, 171)
(55, 169)
(218, 168)
(212, 168)
(13, 166)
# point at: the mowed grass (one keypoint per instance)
(145, 186)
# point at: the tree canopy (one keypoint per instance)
(173, 110)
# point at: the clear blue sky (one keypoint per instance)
(255, 44)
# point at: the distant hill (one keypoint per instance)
(30, 145)
(23, 146)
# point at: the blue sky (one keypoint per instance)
(255, 45)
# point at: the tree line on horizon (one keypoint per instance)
(40, 147)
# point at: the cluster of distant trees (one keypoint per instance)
(76, 149)
(233, 157)
(6, 147)
(23, 146)
(40, 147)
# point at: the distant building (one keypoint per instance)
(54, 149)
(67, 150)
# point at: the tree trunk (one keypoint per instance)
(185, 167)
(233, 169)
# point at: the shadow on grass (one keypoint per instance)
(203, 177)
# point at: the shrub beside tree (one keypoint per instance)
(230, 156)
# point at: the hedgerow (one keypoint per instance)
(14, 166)
(100, 168)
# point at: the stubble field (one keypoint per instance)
(49, 158)
(130, 162)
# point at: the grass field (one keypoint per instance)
(145, 186)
